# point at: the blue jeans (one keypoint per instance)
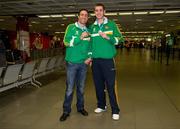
(76, 75)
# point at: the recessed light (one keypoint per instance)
(159, 20)
(156, 12)
(140, 13)
(1, 20)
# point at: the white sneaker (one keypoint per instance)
(99, 110)
(115, 116)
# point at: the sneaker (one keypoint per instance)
(99, 110)
(115, 116)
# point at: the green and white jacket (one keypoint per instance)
(76, 49)
(103, 48)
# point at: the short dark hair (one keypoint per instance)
(83, 10)
(100, 4)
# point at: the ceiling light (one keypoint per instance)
(64, 18)
(140, 13)
(156, 12)
(1, 20)
(126, 13)
(49, 25)
(118, 24)
(173, 11)
(62, 24)
(167, 35)
(34, 22)
(151, 27)
(56, 15)
(115, 19)
(148, 39)
(92, 14)
(69, 15)
(43, 16)
(138, 19)
(57, 32)
(159, 20)
(110, 14)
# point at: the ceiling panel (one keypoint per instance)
(147, 22)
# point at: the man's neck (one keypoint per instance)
(81, 25)
(100, 21)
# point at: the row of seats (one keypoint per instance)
(19, 74)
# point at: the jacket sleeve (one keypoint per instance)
(70, 39)
(90, 43)
(117, 37)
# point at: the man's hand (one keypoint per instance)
(88, 61)
(102, 34)
(84, 34)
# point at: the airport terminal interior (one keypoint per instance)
(33, 68)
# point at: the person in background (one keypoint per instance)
(2, 54)
(104, 36)
(76, 41)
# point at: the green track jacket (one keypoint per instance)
(76, 49)
(103, 48)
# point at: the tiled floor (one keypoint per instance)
(149, 97)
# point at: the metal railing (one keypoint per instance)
(44, 53)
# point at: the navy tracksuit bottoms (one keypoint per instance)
(104, 78)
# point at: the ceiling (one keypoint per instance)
(163, 21)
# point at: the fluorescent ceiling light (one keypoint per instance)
(57, 32)
(173, 11)
(64, 18)
(1, 19)
(126, 13)
(49, 25)
(143, 32)
(159, 20)
(92, 14)
(140, 13)
(156, 12)
(110, 14)
(69, 15)
(57, 15)
(43, 16)
(138, 19)
(115, 19)
(167, 35)
(34, 22)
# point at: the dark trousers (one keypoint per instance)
(104, 75)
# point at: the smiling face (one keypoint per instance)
(83, 17)
(99, 12)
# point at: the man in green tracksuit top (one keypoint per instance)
(104, 36)
(77, 42)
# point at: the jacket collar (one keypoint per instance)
(105, 21)
(78, 26)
